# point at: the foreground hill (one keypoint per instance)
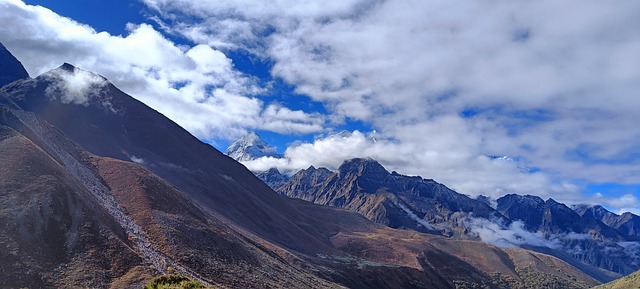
(98, 190)
(629, 282)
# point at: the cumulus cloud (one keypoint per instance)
(621, 204)
(467, 173)
(76, 86)
(198, 87)
(446, 85)
(551, 85)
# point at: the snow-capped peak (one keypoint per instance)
(251, 147)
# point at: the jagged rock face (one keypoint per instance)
(596, 212)
(529, 209)
(11, 69)
(583, 237)
(628, 224)
(272, 177)
(251, 147)
(550, 217)
(398, 201)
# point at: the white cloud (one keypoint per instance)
(77, 86)
(418, 220)
(197, 87)
(514, 235)
(284, 120)
(426, 157)
(618, 204)
(626, 200)
(552, 85)
(137, 160)
(508, 236)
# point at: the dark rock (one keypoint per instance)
(10, 68)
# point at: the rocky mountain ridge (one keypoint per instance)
(399, 201)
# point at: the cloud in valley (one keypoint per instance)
(508, 236)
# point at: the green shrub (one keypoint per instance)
(174, 281)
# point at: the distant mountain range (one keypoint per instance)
(627, 223)
(589, 234)
(97, 190)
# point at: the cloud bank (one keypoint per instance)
(551, 85)
(197, 87)
(448, 86)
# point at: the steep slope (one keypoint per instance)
(631, 281)
(250, 147)
(10, 67)
(54, 233)
(194, 239)
(551, 217)
(596, 212)
(391, 199)
(118, 126)
(627, 224)
(66, 209)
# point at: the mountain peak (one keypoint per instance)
(67, 67)
(10, 68)
(366, 167)
(250, 147)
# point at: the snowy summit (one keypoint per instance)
(251, 147)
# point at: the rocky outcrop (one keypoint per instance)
(395, 200)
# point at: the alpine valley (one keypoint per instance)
(97, 190)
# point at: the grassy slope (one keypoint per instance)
(629, 282)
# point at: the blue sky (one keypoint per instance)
(445, 86)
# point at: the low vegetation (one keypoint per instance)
(175, 281)
(629, 282)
